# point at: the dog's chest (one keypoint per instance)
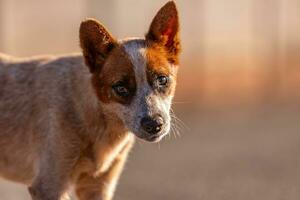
(108, 149)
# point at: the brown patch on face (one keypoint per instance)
(117, 69)
(158, 65)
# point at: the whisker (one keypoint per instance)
(179, 122)
(177, 125)
(174, 130)
(180, 102)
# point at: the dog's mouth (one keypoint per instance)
(155, 138)
(152, 137)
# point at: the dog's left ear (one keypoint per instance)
(164, 30)
(96, 43)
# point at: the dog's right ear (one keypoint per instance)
(96, 43)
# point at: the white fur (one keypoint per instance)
(146, 101)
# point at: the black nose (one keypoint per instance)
(152, 125)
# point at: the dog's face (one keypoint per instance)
(135, 78)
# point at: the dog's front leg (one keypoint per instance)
(102, 187)
(54, 169)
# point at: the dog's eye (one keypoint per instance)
(121, 90)
(162, 80)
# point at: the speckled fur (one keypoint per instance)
(61, 126)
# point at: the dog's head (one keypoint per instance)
(135, 78)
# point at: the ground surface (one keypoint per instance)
(240, 154)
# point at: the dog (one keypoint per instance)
(72, 120)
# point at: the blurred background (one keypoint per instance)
(237, 100)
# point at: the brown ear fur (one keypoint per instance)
(96, 43)
(164, 30)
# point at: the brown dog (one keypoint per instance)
(71, 120)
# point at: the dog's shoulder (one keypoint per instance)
(35, 84)
(45, 74)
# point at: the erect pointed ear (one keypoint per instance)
(96, 43)
(164, 30)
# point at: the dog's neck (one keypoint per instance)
(108, 134)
